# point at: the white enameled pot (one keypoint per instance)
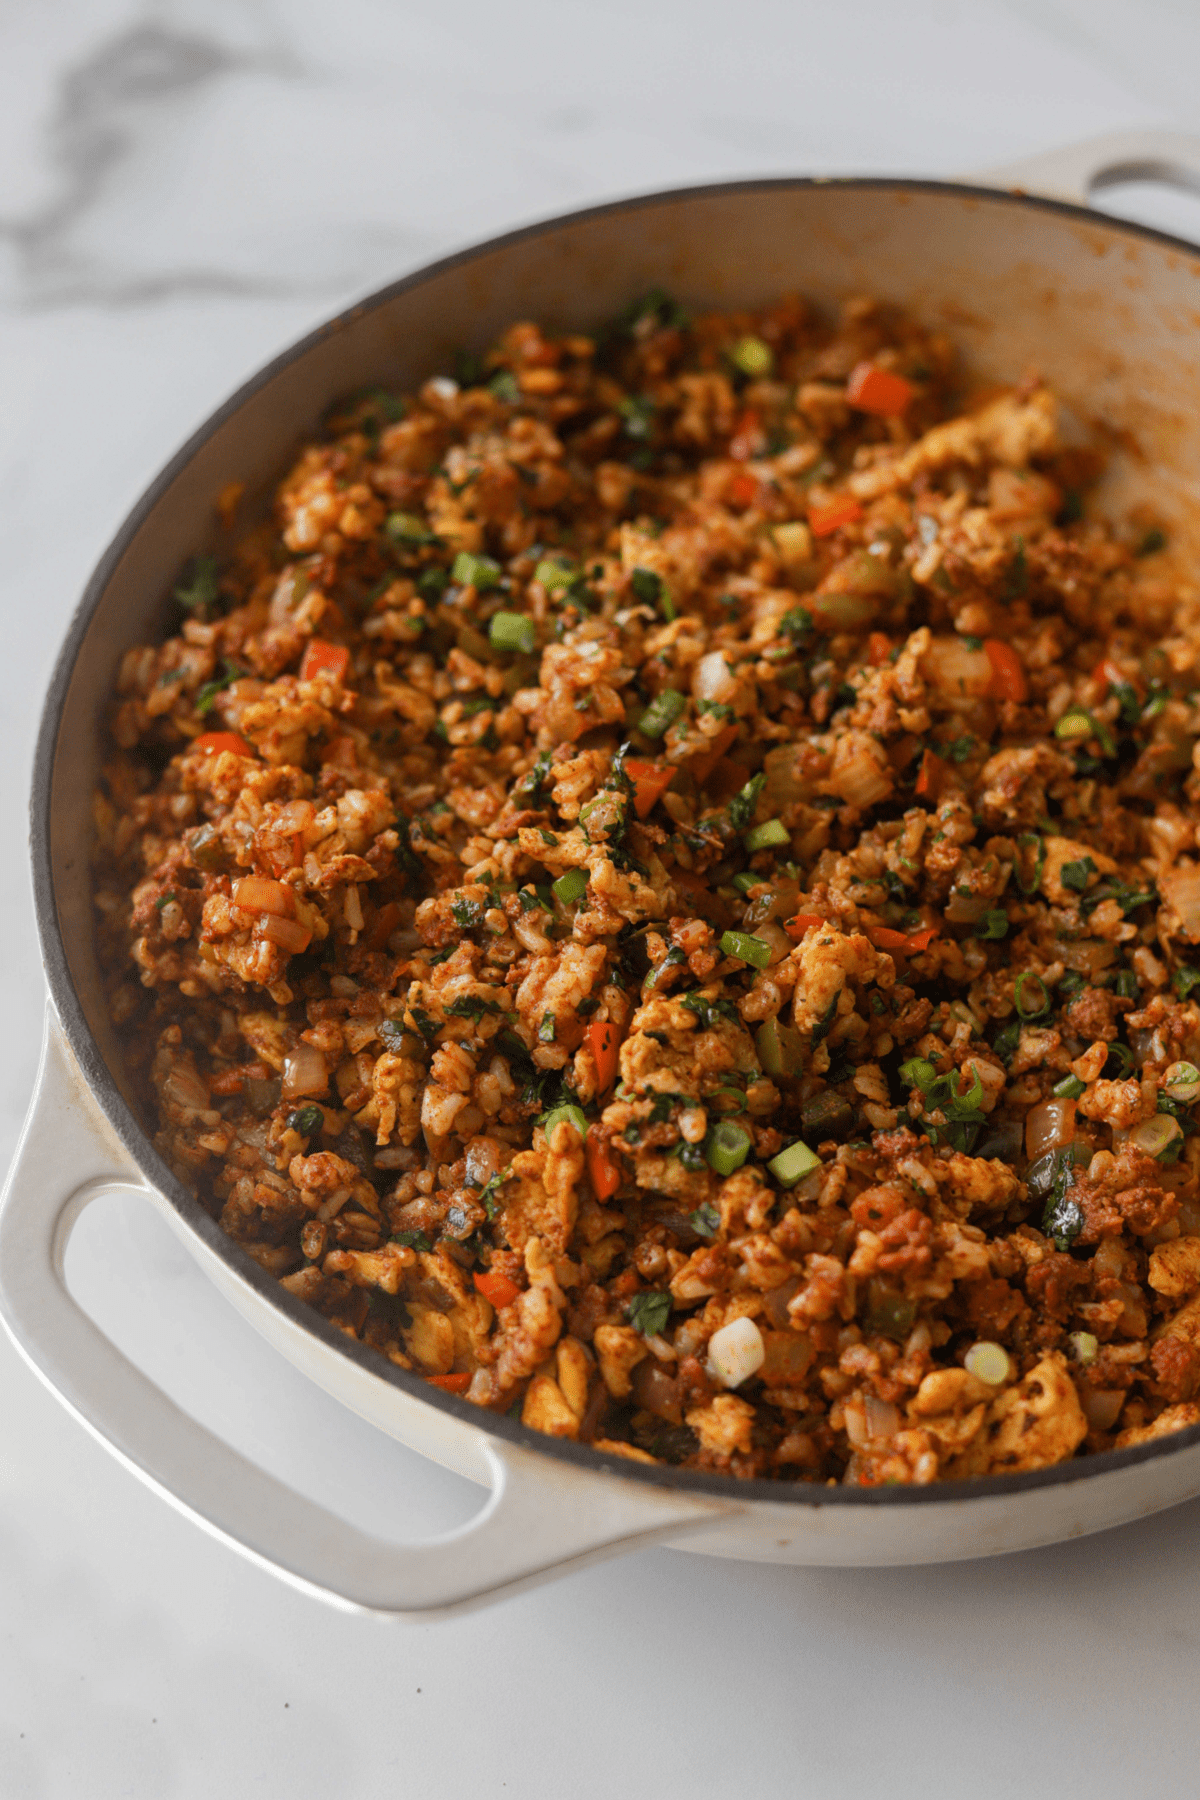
(1109, 313)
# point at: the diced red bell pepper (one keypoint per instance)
(931, 777)
(602, 1168)
(884, 938)
(702, 765)
(823, 521)
(650, 783)
(879, 648)
(1008, 677)
(213, 742)
(385, 922)
(604, 1043)
(748, 438)
(496, 1288)
(319, 655)
(453, 1384)
(878, 391)
(797, 927)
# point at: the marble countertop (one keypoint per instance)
(186, 186)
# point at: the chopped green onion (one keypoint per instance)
(548, 1029)
(793, 1164)
(1075, 723)
(780, 1048)
(752, 357)
(1122, 1056)
(479, 572)
(407, 528)
(918, 1073)
(747, 947)
(746, 880)
(1039, 862)
(662, 713)
(1182, 1082)
(512, 631)
(766, 837)
(993, 925)
(573, 1116)
(726, 1147)
(554, 574)
(1126, 985)
(1069, 1088)
(572, 886)
(1157, 1135)
(1029, 1010)
(650, 588)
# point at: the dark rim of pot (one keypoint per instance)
(134, 1137)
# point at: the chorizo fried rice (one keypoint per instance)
(659, 892)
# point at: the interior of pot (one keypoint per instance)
(1105, 311)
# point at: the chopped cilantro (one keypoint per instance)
(206, 698)
(489, 1196)
(197, 587)
(471, 1006)
(706, 1220)
(306, 1120)
(648, 1312)
(415, 1240)
(741, 807)
(797, 622)
(1075, 874)
(1184, 980)
(709, 1012)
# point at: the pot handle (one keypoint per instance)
(543, 1517)
(1075, 170)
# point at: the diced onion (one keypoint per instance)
(657, 1391)
(1048, 1127)
(1154, 1135)
(1085, 1347)
(289, 934)
(1102, 1406)
(256, 894)
(958, 672)
(1182, 1082)
(735, 1352)
(183, 1087)
(304, 1072)
(883, 1419)
(843, 612)
(1180, 888)
(989, 1362)
(714, 679)
(860, 774)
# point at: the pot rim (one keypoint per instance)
(135, 1139)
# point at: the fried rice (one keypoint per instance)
(659, 891)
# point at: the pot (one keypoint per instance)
(1108, 312)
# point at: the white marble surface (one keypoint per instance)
(184, 187)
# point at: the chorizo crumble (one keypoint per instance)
(661, 891)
